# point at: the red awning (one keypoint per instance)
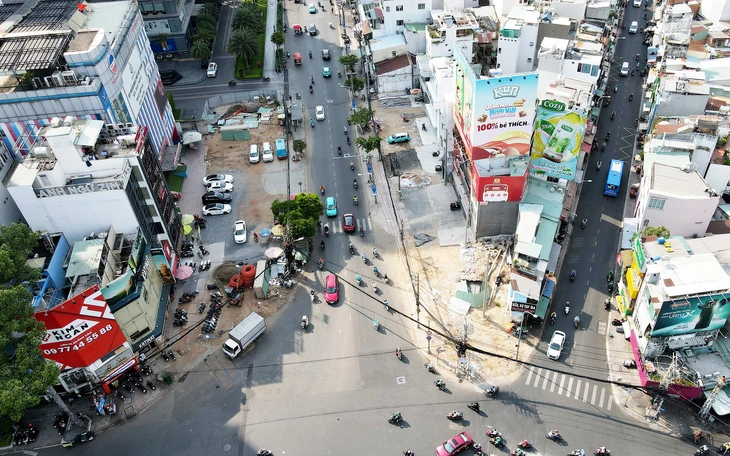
(378, 12)
(586, 148)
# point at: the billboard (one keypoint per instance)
(80, 330)
(499, 188)
(688, 315)
(557, 140)
(135, 82)
(494, 115)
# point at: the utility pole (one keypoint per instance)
(486, 287)
(519, 337)
(417, 289)
(670, 373)
(705, 410)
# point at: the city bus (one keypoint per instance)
(613, 181)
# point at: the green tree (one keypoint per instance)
(205, 27)
(368, 144)
(247, 16)
(207, 18)
(200, 50)
(362, 116)
(162, 38)
(299, 146)
(300, 214)
(205, 35)
(349, 61)
(278, 39)
(211, 8)
(354, 84)
(244, 44)
(24, 373)
(661, 231)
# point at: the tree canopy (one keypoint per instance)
(24, 373)
(349, 61)
(361, 116)
(354, 84)
(660, 231)
(300, 214)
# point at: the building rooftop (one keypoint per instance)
(670, 180)
(446, 19)
(85, 258)
(390, 65)
(502, 166)
(690, 275)
(108, 16)
(387, 42)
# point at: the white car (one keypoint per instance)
(637, 3)
(319, 112)
(223, 187)
(239, 232)
(253, 154)
(210, 178)
(625, 69)
(634, 27)
(212, 70)
(267, 153)
(555, 349)
(216, 209)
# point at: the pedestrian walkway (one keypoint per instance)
(565, 385)
(336, 226)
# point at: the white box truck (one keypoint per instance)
(243, 335)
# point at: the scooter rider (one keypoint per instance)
(354, 183)
(352, 165)
(613, 114)
(553, 316)
(576, 321)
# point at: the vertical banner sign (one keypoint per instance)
(557, 140)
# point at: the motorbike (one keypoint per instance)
(497, 441)
(583, 223)
(440, 385)
(172, 355)
(311, 89)
(201, 308)
(321, 189)
(610, 286)
(430, 368)
(576, 321)
(352, 166)
(474, 406)
(352, 249)
(572, 275)
(517, 452)
(396, 418)
(348, 140)
(493, 433)
(321, 264)
(151, 385)
(344, 130)
(491, 392)
(455, 416)
(524, 444)
(701, 451)
(231, 83)
(408, 453)
(305, 323)
(554, 435)
(310, 54)
(398, 352)
(613, 114)
(321, 245)
(376, 325)
(264, 452)
(607, 304)
(552, 319)
(567, 308)
(354, 183)
(312, 296)
(327, 231)
(358, 279)
(354, 200)
(598, 165)
(265, 78)
(631, 97)
(577, 453)
(603, 451)
(362, 233)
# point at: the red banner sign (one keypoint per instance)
(80, 331)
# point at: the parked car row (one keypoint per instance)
(266, 153)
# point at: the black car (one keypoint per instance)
(216, 197)
(325, 54)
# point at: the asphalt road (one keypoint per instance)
(592, 251)
(330, 390)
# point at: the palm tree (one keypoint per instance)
(210, 8)
(205, 34)
(207, 18)
(200, 50)
(244, 44)
(246, 16)
(162, 38)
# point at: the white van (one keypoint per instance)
(637, 3)
(253, 154)
(625, 69)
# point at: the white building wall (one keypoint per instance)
(718, 176)
(503, 7)
(412, 11)
(573, 10)
(528, 46)
(76, 215)
(570, 70)
(715, 10)
(396, 81)
(682, 216)
(508, 52)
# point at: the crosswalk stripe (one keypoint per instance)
(537, 377)
(585, 392)
(609, 402)
(570, 387)
(577, 389)
(545, 382)
(593, 396)
(529, 375)
(603, 394)
(553, 383)
(562, 382)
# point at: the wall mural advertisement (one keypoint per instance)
(495, 115)
(684, 316)
(557, 140)
(80, 331)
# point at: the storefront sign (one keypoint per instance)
(80, 189)
(524, 307)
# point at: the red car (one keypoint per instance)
(332, 289)
(455, 444)
(348, 223)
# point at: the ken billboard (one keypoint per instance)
(557, 140)
(494, 115)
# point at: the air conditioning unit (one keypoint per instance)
(40, 152)
(69, 78)
(86, 81)
(68, 121)
(56, 121)
(50, 82)
(57, 77)
(681, 85)
(37, 83)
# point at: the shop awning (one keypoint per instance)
(586, 148)
(721, 406)
(542, 306)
